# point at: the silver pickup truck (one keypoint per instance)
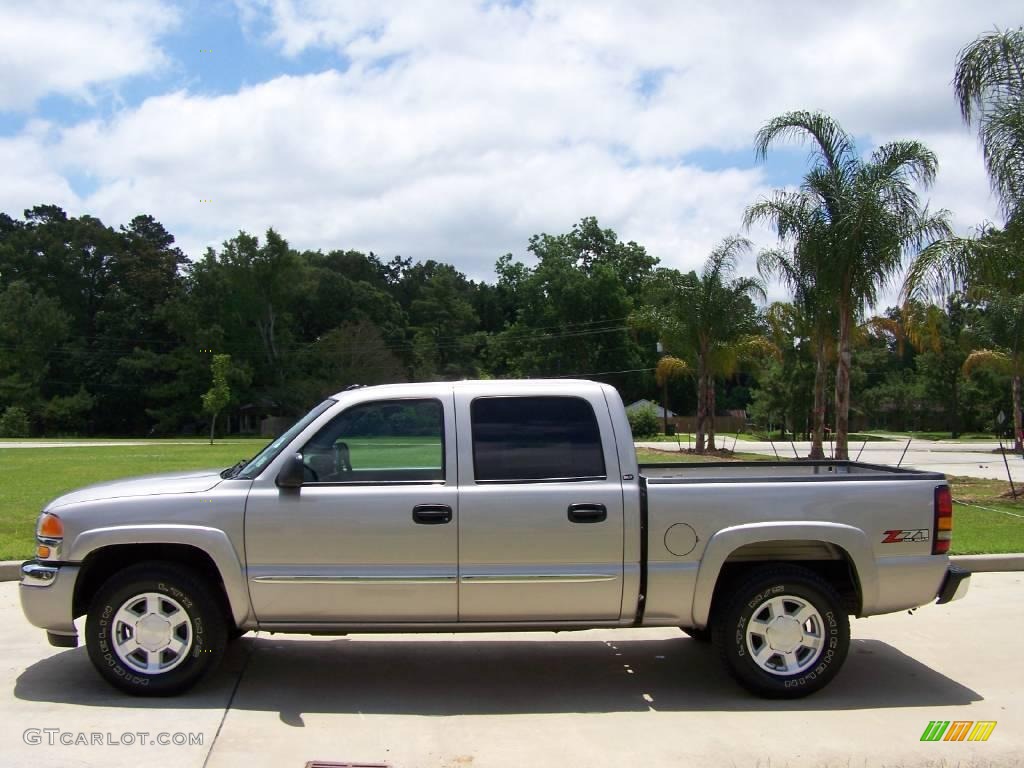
(483, 505)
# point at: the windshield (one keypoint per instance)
(267, 455)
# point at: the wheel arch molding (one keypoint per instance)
(208, 550)
(851, 542)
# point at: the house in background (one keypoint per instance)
(647, 403)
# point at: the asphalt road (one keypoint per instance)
(974, 459)
(595, 699)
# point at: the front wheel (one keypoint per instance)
(783, 633)
(154, 630)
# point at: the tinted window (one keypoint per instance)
(382, 441)
(535, 438)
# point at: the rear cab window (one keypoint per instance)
(535, 439)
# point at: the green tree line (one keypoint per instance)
(114, 331)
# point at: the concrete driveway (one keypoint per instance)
(597, 698)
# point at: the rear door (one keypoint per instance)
(540, 508)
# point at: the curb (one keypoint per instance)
(989, 563)
(10, 570)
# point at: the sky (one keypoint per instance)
(454, 130)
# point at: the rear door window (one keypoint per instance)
(535, 439)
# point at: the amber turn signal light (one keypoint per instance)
(50, 527)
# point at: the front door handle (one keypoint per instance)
(587, 513)
(431, 514)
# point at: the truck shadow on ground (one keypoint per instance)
(476, 676)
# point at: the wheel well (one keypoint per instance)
(830, 562)
(103, 563)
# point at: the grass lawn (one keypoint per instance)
(29, 477)
(991, 530)
(966, 437)
(394, 452)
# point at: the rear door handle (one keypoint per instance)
(587, 513)
(431, 514)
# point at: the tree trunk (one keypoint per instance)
(702, 406)
(664, 406)
(954, 426)
(213, 426)
(820, 374)
(1017, 446)
(710, 387)
(842, 451)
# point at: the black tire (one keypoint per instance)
(700, 635)
(208, 629)
(729, 631)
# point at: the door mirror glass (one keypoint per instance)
(291, 474)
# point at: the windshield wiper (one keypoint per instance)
(232, 471)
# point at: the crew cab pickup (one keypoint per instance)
(484, 505)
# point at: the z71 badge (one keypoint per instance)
(895, 537)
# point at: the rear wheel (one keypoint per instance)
(784, 633)
(154, 630)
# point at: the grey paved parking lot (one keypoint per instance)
(596, 698)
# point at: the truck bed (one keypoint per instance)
(820, 511)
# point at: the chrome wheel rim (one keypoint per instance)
(152, 633)
(785, 635)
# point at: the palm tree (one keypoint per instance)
(668, 368)
(989, 268)
(867, 214)
(707, 317)
(801, 225)
(989, 86)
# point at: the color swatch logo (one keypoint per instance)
(958, 730)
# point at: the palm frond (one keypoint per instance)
(831, 142)
(910, 158)
(670, 368)
(989, 88)
(989, 359)
(990, 67)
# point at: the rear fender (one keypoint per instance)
(728, 540)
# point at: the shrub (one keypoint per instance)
(14, 422)
(644, 421)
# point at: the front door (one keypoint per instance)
(371, 536)
(540, 509)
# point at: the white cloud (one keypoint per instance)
(29, 177)
(457, 130)
(69, 47)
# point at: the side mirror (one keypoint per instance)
(292, 473)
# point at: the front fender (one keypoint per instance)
(213, 541)
(728, 540)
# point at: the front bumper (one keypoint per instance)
(47, 593)
(955, 585)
